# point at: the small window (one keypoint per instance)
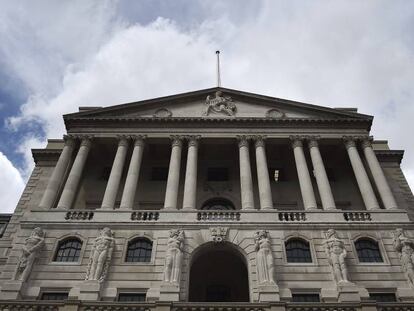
(383, 297)
(368, 251)
(68, 250)
(305, 298)
(131, 297)
(54, 296)
(159, 173)
(298, 250)
(139, 250)
(218, 174)
(277, 174)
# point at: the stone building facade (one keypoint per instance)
(215, 196)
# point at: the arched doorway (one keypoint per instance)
(218, 204)
(218, 273)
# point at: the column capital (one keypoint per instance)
(366, 142)
(69, 140)
(176, 140)
(139, 140)
(86, 140)
(193, 140)
(313, 141)
(259, 140)
(349, 141)
(123, 140)
(297, 140)
(243, 140)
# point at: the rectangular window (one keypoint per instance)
(159, 173)
(305, 298)
(217, 174)
(277, 174)
(55, 296)
(383, 297)
(129, 297)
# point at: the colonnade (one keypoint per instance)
(190, 183)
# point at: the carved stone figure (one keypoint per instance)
(264, 258)
(336, 253)
(218, 234)
(405, 246)
(33, 244)
(174, 256)
(220, 104)
(101, 256)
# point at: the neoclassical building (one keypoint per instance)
(212, 199)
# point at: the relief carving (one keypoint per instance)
(101, 256)
(219, 234)
(220, 104)
(264, 258)
(404, 246)
(32, 246)
(173, 259)
(162, 113)
(336, 253)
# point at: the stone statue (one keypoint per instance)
(220, 104)
(264, 258)
(336, 253)
(33, 244)
(174, 256)
(101, 256)
(404, 246)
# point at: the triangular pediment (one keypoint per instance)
(217, 103)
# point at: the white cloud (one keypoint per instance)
(12, 185)
(357, 54)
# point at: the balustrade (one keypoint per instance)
(218, 215)
(79, 215)
(145, 216)
(292, 216)
(357, 216)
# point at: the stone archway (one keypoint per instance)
(218, 273)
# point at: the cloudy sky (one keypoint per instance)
(58, 55)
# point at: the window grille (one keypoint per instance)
(68, 250)
(383, 297)
(368, 251)
(139, 250)
(298, 250)
(55, 296)
(305, 298)
(131, 297)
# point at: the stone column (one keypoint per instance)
(190, 184)
(72, 183)
(131, 182)
(378, 175)
(305, 182)
(246, 183)
(265, 193)
(56, 180)
(361, 176)
(171, 193)
(112, 186)
(322, 180)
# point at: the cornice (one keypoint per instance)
(46, 154)
(389, 155)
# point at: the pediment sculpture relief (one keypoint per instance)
(275, 114)
(220, 104)
(173, 259)
(162, 113)
(336, 253)
(32, 246)
(101, 256)
(405, 247)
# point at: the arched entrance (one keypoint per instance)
(218, 273)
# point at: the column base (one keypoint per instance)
(348, 292)
(169, 292)
(268, 293)
(90, 290)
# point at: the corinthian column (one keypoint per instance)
(131, 182)
(361, 176)
(324, 187)
(379, 178)
(171, 193)
(190, 184)
(305, 182)
(246, 184)
(265, 192)
(72, 183)
(58, 174)
(112, 186)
